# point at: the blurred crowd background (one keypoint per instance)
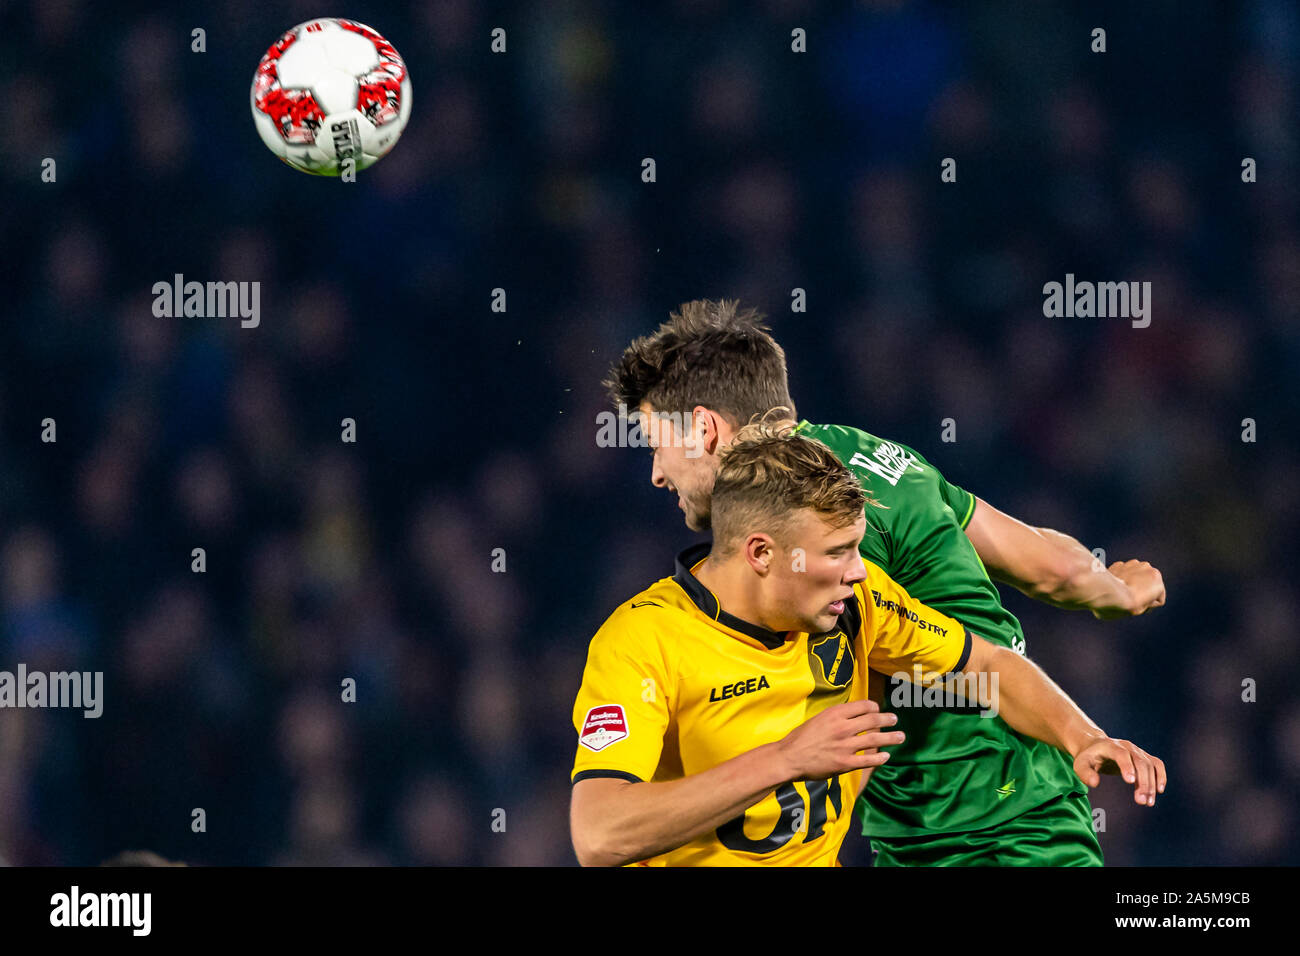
(477, 430)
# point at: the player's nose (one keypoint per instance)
(857, 572)
(657, 477)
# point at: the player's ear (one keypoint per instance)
(760, 550)
(708, 427)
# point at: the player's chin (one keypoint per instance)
(697, 521)
(823, 621)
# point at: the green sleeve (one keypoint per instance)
(961, 501)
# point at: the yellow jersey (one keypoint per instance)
(674, 685)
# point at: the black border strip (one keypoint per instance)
(965, 653)
(619, 774)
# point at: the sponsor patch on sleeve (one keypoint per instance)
(604, 725)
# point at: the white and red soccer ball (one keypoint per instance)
(329, 91)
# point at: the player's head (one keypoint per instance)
(787, 508)
(711, 368)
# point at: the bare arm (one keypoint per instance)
(1056, 569)
(615, 822)
(1031, 703)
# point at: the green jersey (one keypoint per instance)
(956, 770)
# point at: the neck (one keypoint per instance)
(738, 590)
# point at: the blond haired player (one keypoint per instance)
(721, 718)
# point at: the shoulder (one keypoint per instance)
(639, 625)
(837, 437)
(869, 455)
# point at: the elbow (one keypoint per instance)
(593, 848)
(587, 847)
(598, 824)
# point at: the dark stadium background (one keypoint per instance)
(476, 430)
